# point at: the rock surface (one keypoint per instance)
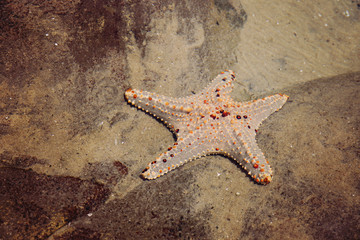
(72, 150)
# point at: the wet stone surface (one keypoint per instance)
(72, 149)
(153, 210)
(34, 206)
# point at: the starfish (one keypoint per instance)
(210, 122)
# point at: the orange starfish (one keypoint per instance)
(210, 122)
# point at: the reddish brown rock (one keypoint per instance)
(33, 206)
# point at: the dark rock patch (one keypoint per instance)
(33, 206)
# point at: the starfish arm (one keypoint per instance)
(183, 151)
(254, 161)
(218, 90)
(259, 110)
(167, 109)
(244, 150)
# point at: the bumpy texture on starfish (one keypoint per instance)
(210, 122)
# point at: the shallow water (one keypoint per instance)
(63, 114)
